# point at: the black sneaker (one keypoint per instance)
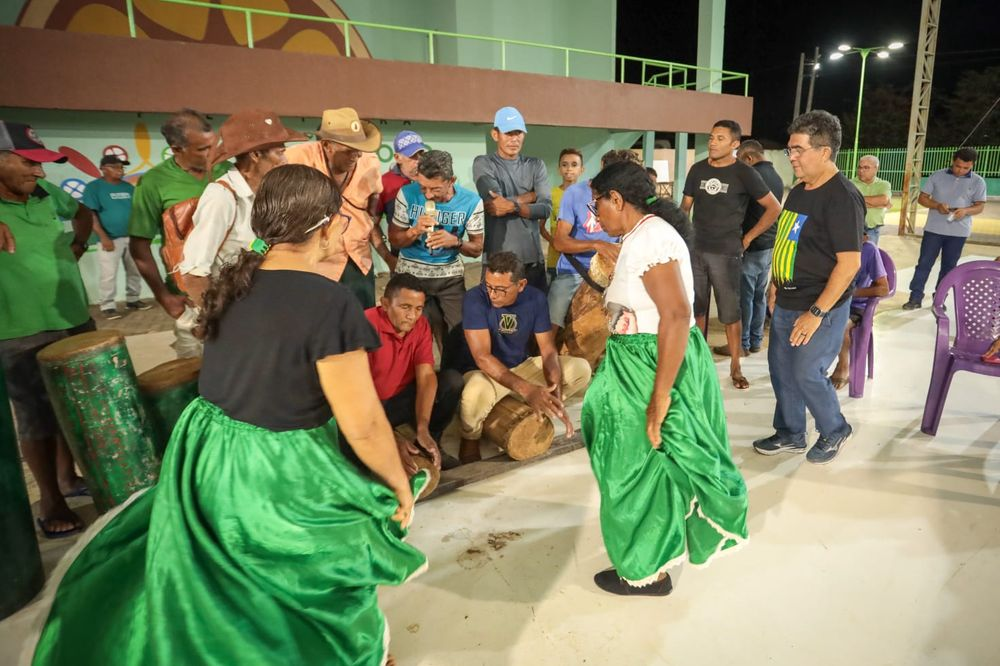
(754, 349)
(111, 313)
(610, 581)
(826, 448)
(774, 444)
(138, 305)
(911, 305)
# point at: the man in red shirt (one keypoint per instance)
(403, 371)
(407, 148)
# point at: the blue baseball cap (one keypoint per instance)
(509, 119)
(407, 143)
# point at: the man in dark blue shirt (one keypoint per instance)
(500, 318)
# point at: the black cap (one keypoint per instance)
(113, 159)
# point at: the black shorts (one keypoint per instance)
(33, 415)
(723, 273)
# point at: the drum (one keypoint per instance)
(586, 332)
(434, 474)
(514, 427)
(21, 574)
(167, 390)
(95, 396)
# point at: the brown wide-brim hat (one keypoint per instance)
(250, 130)
(345, 127)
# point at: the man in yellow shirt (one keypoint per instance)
(345, 152)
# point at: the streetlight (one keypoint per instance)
(881, 52)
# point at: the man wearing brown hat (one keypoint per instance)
(222, 220)
(42, 300)
(345, 152)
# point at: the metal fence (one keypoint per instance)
(892, 162)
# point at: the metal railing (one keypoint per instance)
(652, 71)
(892, 162)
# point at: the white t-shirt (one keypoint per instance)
(652, 242)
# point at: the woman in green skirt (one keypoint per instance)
(261, 543)
(653, 420)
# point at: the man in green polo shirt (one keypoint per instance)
(877, 194)
(42, 300)
(178, 178)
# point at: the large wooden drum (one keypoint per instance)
(514, 427)
(21, 573)
(586, 331)
(92, 385)
(406, 434)
(168, 389)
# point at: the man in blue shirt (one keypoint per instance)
(501, 316)
(110, 198)
(953, 196)
(429, 237)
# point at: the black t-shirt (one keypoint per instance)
(754, 211)
(721, 195)
(261, 367)
(813, 227)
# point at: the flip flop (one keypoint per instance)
(838, 383)
(54, 534)
(80, 491)
(738, 380)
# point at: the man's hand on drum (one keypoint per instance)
(428, 444)
(407, 450)
(546, 401)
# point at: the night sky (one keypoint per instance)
(764, 39)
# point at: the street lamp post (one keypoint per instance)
(880, 52)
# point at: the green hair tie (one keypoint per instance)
(259, 246)
(651, 200)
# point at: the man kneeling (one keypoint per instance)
(500, 317)
(403, 371)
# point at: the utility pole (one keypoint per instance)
(798, 86)
(812, 79)
(930, 18)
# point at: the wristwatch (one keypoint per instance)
(816, 312)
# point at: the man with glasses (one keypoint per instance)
(431, 218)
(345, 153)
(953, 196)
(501, 317)
(110, 197)
(720, 188)
(516, 195)
(877, 193)
(817, 254)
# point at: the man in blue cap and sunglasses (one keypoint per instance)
(516, 194)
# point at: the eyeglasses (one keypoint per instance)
(499, 291)
(592, 206)
(797, 151)
(343, 217)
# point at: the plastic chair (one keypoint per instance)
(862, 338)
(976, 286)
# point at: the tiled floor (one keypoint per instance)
(888, 556)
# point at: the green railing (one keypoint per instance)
(651, 72)
(892, 162)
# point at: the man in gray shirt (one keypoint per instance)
(516, 194)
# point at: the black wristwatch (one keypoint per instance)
(82, 243)
(816, 312)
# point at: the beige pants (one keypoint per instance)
(481, 393)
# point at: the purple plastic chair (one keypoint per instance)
(862, 338)
(976, 285)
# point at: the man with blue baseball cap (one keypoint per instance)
(407, 148)
(516, 194)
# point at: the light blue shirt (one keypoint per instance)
(574, 210)
(955, 192)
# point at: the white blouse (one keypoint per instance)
(652, 242)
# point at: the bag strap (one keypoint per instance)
(584, 273)
(232, 224)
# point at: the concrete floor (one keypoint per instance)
(888, 556)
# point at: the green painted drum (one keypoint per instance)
(21, 575)
(168, 389)
(95, 395)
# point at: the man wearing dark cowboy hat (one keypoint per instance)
(345, 152)
(110, 197)
(222, 220)
(42, 300)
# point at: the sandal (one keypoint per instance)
(58, 534)
(740, 382)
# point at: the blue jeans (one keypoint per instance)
(753, 295)
(561, 293)
(950, 248)
(874, 233)
(798, 374)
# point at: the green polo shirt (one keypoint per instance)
(161, 187)
(40, 284)
(874, 217)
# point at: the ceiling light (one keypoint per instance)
(844, 47)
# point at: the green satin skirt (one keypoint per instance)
(255, 547)
(685, 501)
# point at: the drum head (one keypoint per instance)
(77, 345)
(167, 375)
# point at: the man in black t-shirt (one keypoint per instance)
(720, 188)
(817, 253)
(757, 258)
